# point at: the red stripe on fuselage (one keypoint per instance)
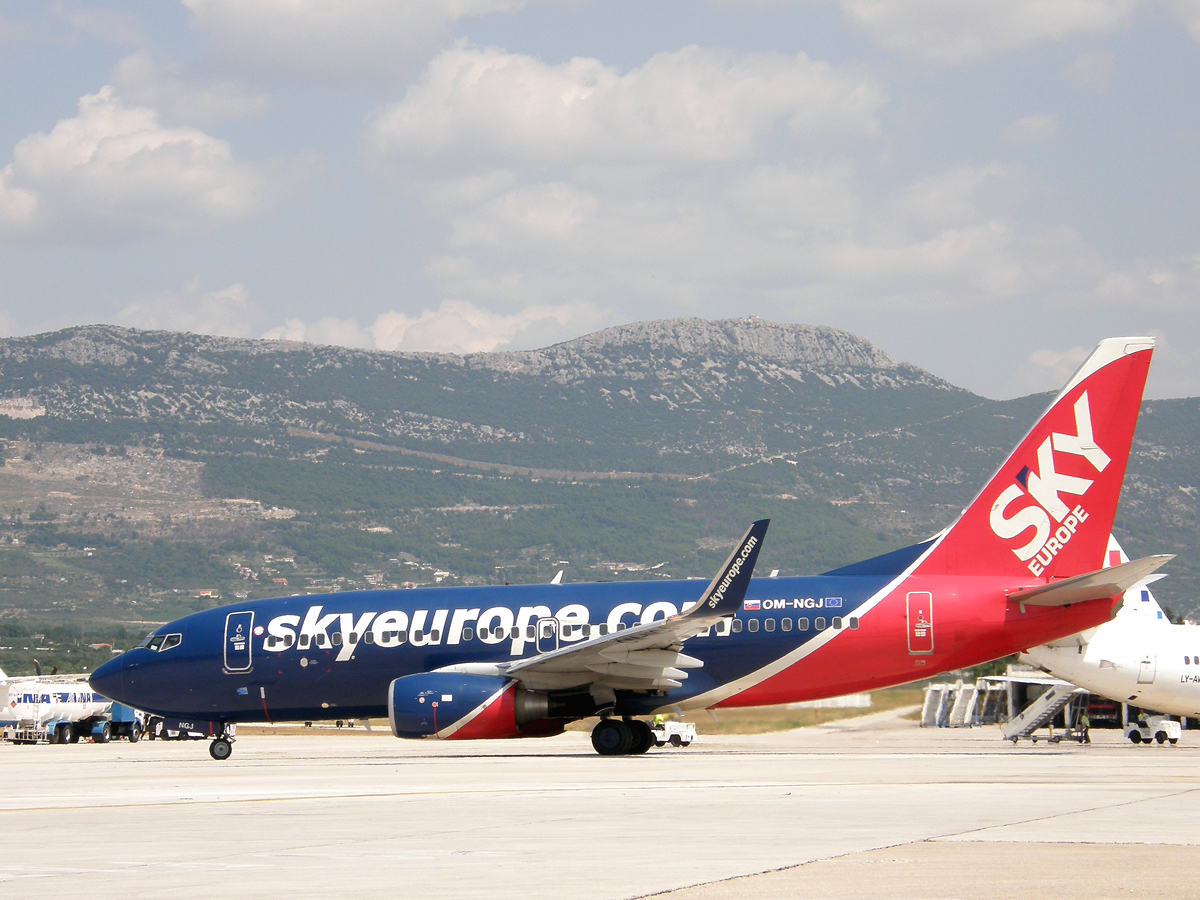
(973, 623)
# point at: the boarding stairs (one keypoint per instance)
(1040, 712)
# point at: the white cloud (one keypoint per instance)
(1188, 12)
(182, 98)
(666, 192)
(114, 171)
(1035, 129)
(333, 40)
(1094, 68)
(488, 108)
(227, 311)
(456, 326)
(327, 330)
(953, 32)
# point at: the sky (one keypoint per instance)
(983, 189)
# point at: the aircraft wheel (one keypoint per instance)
(643, 737)
(611, 737)
(64, 733)
(220, 749)
(1161, 737)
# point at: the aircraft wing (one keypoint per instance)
(1111, 582)
(647, 656)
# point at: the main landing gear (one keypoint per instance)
(622, 737)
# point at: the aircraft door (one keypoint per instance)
(1146, 669)
(238, 629)
(920, 622)
(547, 635)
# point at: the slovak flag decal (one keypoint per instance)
(750, 604)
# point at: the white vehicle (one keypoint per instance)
(677, 734)
(1138, 658)
(62, 712)
(1154, 728)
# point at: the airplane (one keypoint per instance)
(1022, 565)
(1139, 657)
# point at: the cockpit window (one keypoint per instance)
(145, 642)
(155, 642)
(171, 640)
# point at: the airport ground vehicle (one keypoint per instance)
(1154, 728)
(1021, 566)
(677, 734)
(65, 713)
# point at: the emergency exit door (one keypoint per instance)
(920, 622)
(238, 628)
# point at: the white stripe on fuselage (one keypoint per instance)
(738, 685)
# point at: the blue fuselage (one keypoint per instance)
(334, 655)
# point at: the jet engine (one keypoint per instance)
(457, 706)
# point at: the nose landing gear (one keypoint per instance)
(222, 748)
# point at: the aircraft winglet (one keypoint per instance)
(1100, 585)
(725, 594)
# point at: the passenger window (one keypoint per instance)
(435, 635)
(155, 643)
(752, 624)
(369, 637)
(820, 623)
(737, 626)
(288, 641)
(401, 636)
(321, 639)
(468, 634)
(531, 631)
(172, 640)
(417, 634)
(802, 624)
(620, 626)
(547, 631)
(1187, 660)
(353, 638)
(786, 624)
(769, 624)
(304, 642)
(515, 633)
(837, 622)
(603, 630)
(854, 623)
(337, 639)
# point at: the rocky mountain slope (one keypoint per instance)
(644, 445)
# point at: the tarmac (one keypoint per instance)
(873, 807)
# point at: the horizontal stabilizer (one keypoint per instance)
(1092, 586)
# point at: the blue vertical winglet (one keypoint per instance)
(725, 594)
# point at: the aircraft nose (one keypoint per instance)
(110, 679)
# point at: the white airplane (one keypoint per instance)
(1138, 658)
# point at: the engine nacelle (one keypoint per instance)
(456, 706)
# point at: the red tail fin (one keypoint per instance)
(1049, 509)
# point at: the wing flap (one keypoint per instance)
(648, 656)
